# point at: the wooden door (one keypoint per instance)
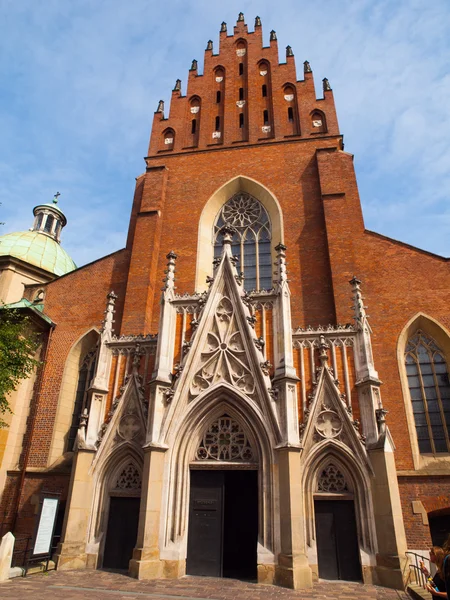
(205, 533)
(121, 534)
(337, 542)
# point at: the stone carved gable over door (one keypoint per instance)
(126, 422)
(329, 421)
(223, 354)
(224, 357)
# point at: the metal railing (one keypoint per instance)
(416, 573)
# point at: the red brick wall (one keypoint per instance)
(204, 87)
(434, 493)
(76, 303)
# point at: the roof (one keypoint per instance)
(39, 249)
(38, 309)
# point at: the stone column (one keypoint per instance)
(146, 562)
(388, 516)
(293, 570)
(71, 551)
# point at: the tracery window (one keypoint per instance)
(429, 387)
(331, 480)
(129, 478)
(225, 440)
(251, 242)
(85, 376)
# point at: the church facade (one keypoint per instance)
(248, 419)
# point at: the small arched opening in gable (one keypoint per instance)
(318, 122)
(291, 119)
(168, 139)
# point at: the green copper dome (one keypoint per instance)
(37, 249)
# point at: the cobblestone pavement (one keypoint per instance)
(101, 585)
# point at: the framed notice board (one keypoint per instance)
(45, 525)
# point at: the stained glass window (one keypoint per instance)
(85, 376)
(429, 388)
(251, 242)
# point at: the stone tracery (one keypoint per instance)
(225, 440)
(224, 356)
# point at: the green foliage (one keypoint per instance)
(18, 345)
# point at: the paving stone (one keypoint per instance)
(75, 585)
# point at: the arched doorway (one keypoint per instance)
(336, 533)
(123, 517)
(223, 504)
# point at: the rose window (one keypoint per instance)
(225, 440)
(241, 210)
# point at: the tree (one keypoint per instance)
(18, 345)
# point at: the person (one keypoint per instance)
(436, 585)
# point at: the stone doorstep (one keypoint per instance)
(38, 567)
(417, 592)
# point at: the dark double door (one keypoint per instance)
(223, 524)
(121, 534)
(337, 542)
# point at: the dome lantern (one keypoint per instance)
(49, 219)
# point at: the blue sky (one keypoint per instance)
(79, 82)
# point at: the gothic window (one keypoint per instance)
(251, 241)
(129, 479)
(429, 387)
(225, 440)
(85, 376)
(331, 480)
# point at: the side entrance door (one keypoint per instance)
(337, 542)
(121, 534)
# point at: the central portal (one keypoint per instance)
(223, 524)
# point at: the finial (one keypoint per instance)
(273, 36)
(55, 198)
(326, 85)
(240, 17)
(323, 347)
(177, 87)
(307, 67)
(281, 263)
(257, 22)
(289, 51)
(136, 359)
(194, 66)
(358, 306)
(227, 231)
(209, 45)
(109, 313)
(160, 108)
(169, 280)
(223, 26)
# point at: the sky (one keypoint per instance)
(80, 81)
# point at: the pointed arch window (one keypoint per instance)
(85, 377)
(252, 240)
(429, 387)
